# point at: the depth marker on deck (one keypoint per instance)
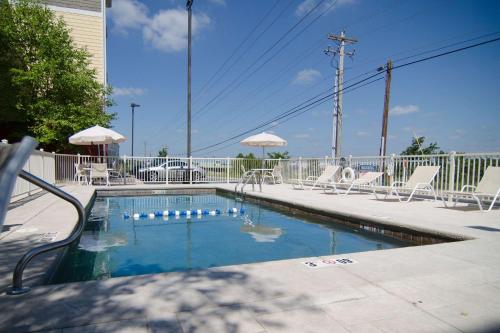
(329, 262)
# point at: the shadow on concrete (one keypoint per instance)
(218, 300)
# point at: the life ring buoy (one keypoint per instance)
(348, 174)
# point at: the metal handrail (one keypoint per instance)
(17, 278)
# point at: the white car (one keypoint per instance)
(177, 170)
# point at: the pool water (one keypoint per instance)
(112, 245)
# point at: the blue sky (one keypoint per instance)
(453, 100)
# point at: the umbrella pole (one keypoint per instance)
(263, 155)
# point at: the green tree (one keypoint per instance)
(48, 89)
(417, 148)
(278, 155)
(250, 156)
(163, 152)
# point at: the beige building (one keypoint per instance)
(86, 20)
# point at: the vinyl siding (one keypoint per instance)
(92, 5)
(87, 32)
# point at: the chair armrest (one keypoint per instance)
(468, 187)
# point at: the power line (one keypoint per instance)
(261, 56)
(287, 113)
(236, 82)
(305, 110)
(180, 121)
(292, 111)
(447, 53)
(235, 51)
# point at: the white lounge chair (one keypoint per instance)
(420, 180)
(80, 174)
(488, 187)
(274, 175)
(326, 178)
(364, 180)
(99, 170)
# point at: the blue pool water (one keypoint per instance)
(112, 245)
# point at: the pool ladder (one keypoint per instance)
(244, 180)
(12, 160)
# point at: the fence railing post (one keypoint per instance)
(227, 169)
(300, 168)
(124, 170)
(350, 161)
(166, 170)
(190, 170)
(451, 178)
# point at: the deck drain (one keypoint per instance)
(329, 262)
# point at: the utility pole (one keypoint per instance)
(189, 3)
(335, 112)
(385, 117)
(133, 106)
(341, 40)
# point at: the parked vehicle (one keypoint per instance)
(176, 170)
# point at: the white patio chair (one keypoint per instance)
(326, 178)
(99, 171)
(420, 180)
(274, 175)
(364, 180)
(80, 174)
(116, 170)
(488, 187)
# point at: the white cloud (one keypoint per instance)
(218, 2)
(128, 14)
(128, 91)
(166, 30)
(302, 136)
(399, 110)
(329, 5)
(306, 76)
(362, 133)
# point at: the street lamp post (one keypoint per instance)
(133, 106)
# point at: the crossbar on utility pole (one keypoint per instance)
(342, 40)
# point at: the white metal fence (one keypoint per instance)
(40, 164)
(456, 170)
(158, 170)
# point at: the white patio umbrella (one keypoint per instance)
(96, 135)
(264, 140)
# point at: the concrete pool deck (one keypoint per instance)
(448, 287)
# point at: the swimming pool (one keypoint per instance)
(113, 244)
